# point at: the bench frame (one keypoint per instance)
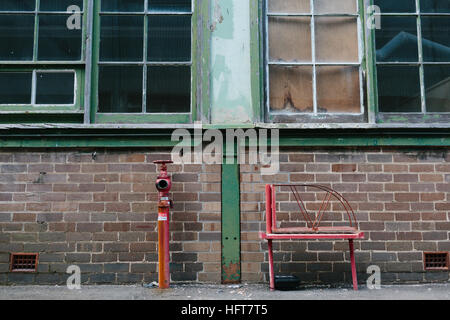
(313, 231)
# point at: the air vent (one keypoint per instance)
(24, 262)
(436, 260)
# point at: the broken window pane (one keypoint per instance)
(121, 38)
(170, 5)
(340, 44)
(338, 89)
(399, 89)
(291, 89)
(333, 6)
(396, 41)
(435, 6)
(56, 41)
(59, 5)
(437, 88)
(436, 39)
(396, 6)
(16, 37)
(168, 89)
(55, 87)
(15, 5)
(120, 89)
(15, 87)
(289, 6)
(122, 5)
(169, 38)
(290, 39)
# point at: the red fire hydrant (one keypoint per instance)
(163, 184)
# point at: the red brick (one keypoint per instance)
(116, 226)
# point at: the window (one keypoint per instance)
(314, 61)
(413, 60)
(41, 56)
(144, 64)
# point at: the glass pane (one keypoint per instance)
(340, 45)
(399, 89)
(290, 39)
(169, 38)
(396, 41)
(291, 89)
(59, 5)
(435, 6)
(17, 5)
(121, 38)
(333, 6)
(396, 6)
(338, 89)
(289, 6)
(170, 5)
(122, 5)
(120, 89)
(436, 39)
(56, 41)
(55, 88)
(168, 89)
(15, 87)
(16, 37)
(437, 88)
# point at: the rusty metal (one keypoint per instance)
(163, 184)
(24, 262)
(436, 260)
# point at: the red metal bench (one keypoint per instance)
(313, 230)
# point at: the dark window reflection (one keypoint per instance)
(397, 41)
(120, 89)
(437, 88)
(170, 5)
(15, 87)
(16, 37)
(17, 5)
(435, 6)
(169, 38)
(59, 5)
(55, 88)
(399, 89)
(436, 39)
(56, 41)
(396, 6)
(168, 89)
(121, 38)
(122, 5)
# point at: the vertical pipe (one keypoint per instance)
(268, 209)
(163, 243)
(352, 259)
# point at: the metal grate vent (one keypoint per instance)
(436, 260)
(24, 262)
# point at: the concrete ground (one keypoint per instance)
(440, 291)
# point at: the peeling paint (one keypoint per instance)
(231, 273)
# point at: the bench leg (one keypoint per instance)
(271, 275)
(352, 260)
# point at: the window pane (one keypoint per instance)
(290, 39)
(170, 5)
(121, 38)
(399, 89)
(389, 6)
(340, 45)
(169, 38)
(17, 5)
(15, 87)
(437, 88)
(333, 6)
(59, 5)
(55, 88)
(16, 37)
(56, 41)
(168, 89)
(291, 89)
(435, 6)
(122, 5)
(338, 89)
(289, 6)
(120, 89)
(436, 39)
(396, 41)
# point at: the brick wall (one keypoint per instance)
(401, 197)
(73, 208)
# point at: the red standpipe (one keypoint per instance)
(163, 184)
